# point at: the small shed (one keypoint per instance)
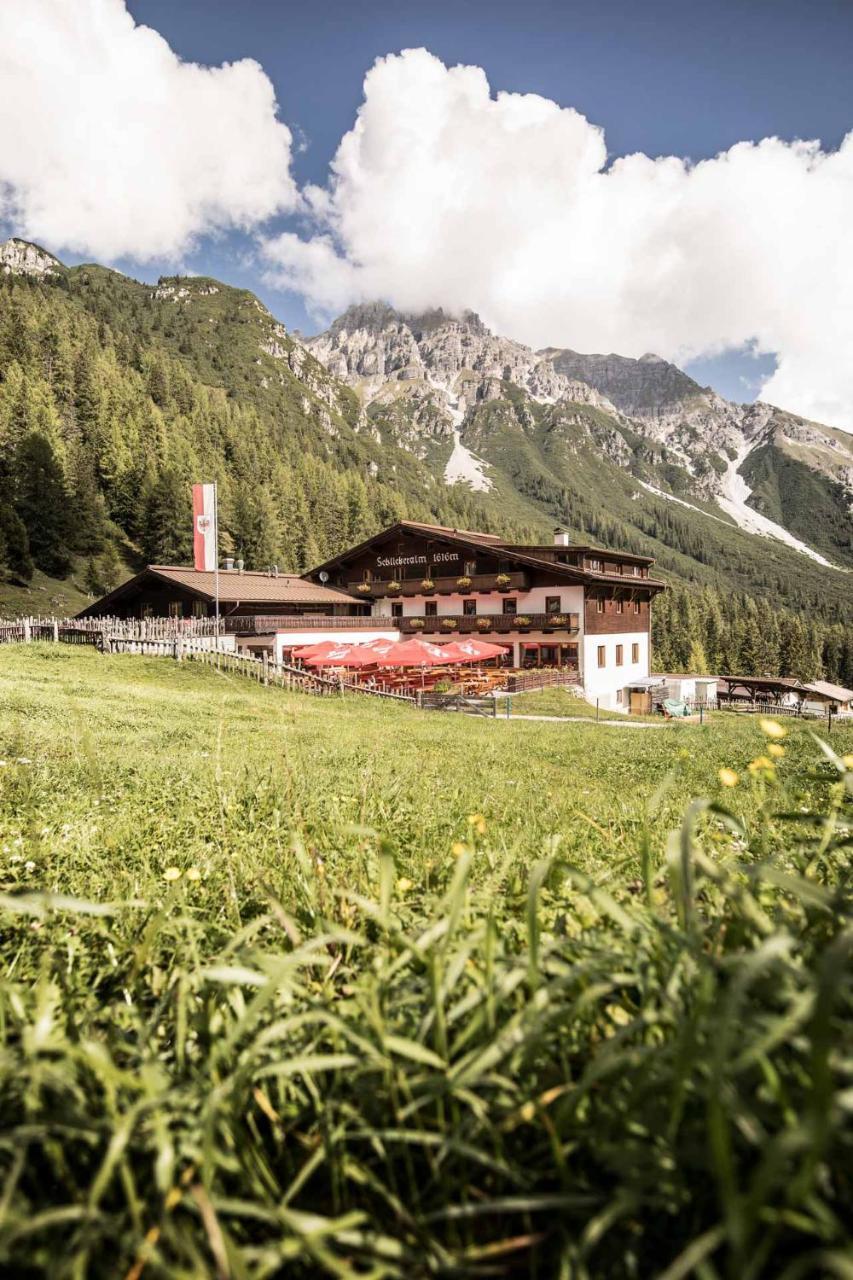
(696, 689)
(823, 696)
(780, 691)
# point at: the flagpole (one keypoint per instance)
(216, 553)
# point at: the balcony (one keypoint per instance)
(486, 624)
(443, 586)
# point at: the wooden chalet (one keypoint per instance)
(556, 604)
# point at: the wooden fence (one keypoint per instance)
(541, 678)
(181, 647)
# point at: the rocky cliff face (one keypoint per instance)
(428, 378)
(371, 345)
(20, 258)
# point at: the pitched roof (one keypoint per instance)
(251, 587)
(834, 691)
(490, 543)
(234, 587)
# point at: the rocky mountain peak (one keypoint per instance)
(21, 258)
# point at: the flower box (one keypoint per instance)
(464, 583)
(484, 624)
(522, 621)
(502, 581)
(427, 586)
(556, 620)
(448, 624)
(393, 588)
(364, 588)
(416, 624)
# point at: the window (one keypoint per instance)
(602, 657)
(552, 604)
(469, 608)
(636, 606)
(618, 697)
(619, 606)
(510, 606)
(199, 609)
(430, 608)
(619, 652)
(470, 568)
(635, 653)
(597, 566)
(396, 609)
(176, 609)
(599, 606)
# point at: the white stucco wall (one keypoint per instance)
(603, 682)
(533, 601)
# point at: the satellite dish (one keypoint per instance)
(323, 576)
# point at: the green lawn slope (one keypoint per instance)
(331, 987)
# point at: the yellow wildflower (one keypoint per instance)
(193, 873)
(776, 749)
(761, 764)
(478, 822)
(458, 848)
(728, 777)
(847, 761)
(772, 728)
(404, 884)
(172, 873)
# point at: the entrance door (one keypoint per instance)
(548, 655)
(641, 702)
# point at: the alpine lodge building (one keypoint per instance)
(582, 609)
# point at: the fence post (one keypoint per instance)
(701, 709)
(55, 632)
(27, 633)
(596, 711)
(266, 662)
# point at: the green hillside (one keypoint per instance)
(116, 396)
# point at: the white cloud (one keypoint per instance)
(442, 195)
(111, 145)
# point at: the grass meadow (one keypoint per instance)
(308, 987)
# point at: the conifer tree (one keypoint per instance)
(110, 568)
(41, 501)
(167, 534)
(18, 562)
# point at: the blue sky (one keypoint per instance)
(665, 78)
(681, 79)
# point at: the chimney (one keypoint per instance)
(561, 538)
(240, 566)
(229, 563)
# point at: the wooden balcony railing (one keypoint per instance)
(265, 623)
(443, 586)
(486, 624)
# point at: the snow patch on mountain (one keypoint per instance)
(733, 500)
(463, 468)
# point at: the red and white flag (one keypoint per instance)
(204, 526)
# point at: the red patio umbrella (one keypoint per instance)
(344, 655)
(316, 650)
(416, 653)
(474, 650)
